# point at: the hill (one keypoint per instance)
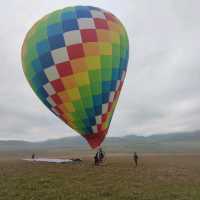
(171, 142)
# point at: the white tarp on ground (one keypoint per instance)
(49, 160)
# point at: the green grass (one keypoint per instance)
(158, 177)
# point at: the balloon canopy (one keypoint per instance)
(75, 60)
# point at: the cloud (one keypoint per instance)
(161, 91)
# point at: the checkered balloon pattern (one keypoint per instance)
(75, 60)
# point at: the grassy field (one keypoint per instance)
(158, 177)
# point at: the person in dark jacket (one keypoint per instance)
(33, 156)
(96, 159)
(135, 158)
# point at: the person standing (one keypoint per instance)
(96, 159)
(101, 155)
(33, 156)
(135, 158)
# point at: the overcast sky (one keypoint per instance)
(161, 90)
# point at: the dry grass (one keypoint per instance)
(158, 177)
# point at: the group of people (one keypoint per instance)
(100, 156)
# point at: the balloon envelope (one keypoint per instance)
(75, 60)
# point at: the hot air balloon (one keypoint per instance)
(75, 60)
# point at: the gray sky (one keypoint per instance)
(161, 90)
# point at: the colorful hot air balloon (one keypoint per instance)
(75, 60)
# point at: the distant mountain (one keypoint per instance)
(68, 142)
(163, 143)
